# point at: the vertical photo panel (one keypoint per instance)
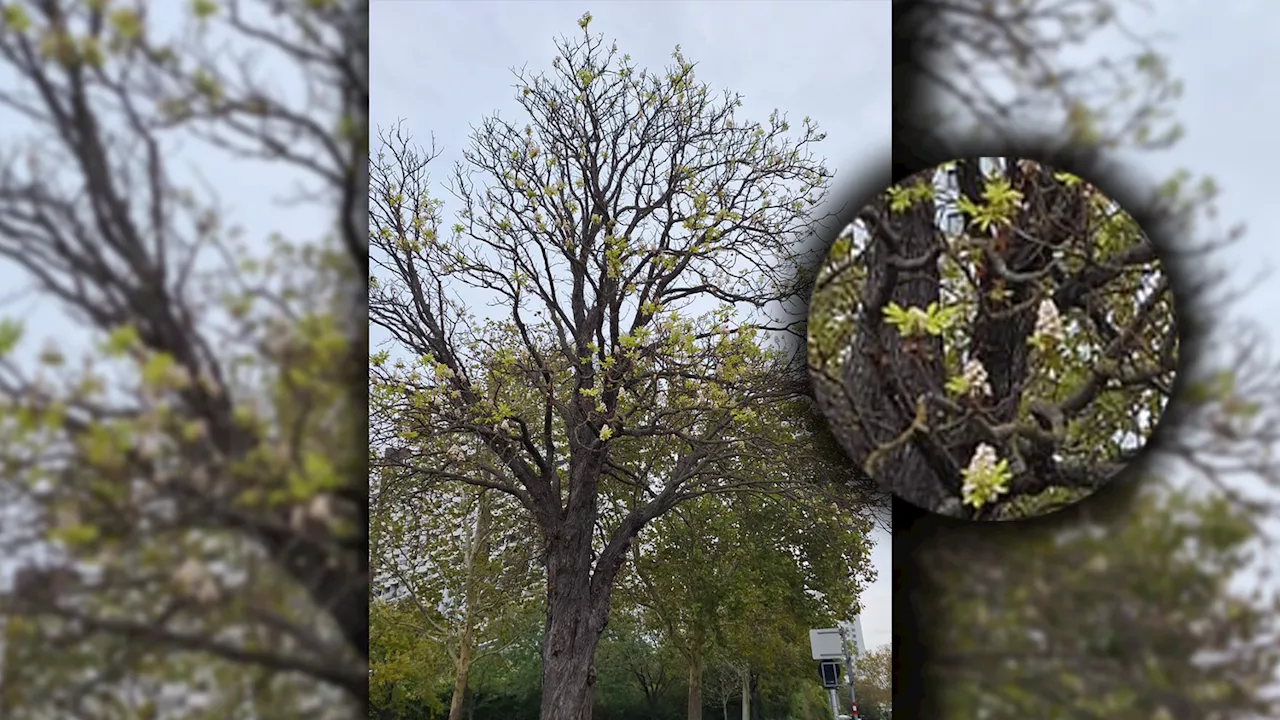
(599, 483)
(1154, 597)
(183, 360)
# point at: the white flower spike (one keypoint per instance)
(1048, 321)
(975, 376)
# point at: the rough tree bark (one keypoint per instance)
(694, 711)
(887, 375)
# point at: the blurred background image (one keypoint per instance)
(182, 456)
(186, 378)
(1156, 598)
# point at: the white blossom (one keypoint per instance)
(1048, 321)
(982, 479)
(321, 508)
(196, 581)
(984, 459)
(981, 465)
(975, 376)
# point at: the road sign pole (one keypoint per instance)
(833, 695)
(848, 671)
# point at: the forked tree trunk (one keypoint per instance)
(575, 619)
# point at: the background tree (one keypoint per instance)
(193, 493)
(630, 234)
(408, 668)
(457, 561)
(722, 682)
(634, 661)
(1045, 334)
(873, 683)
(1103, 631)
(744, 577)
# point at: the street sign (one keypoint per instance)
(829, 671)
(826, 644)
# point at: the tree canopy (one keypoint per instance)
(591, 335)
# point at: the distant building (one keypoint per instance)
(389, 589)
(853, 631)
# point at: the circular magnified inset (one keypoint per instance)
(992, 339)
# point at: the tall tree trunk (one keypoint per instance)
(695, 686)
(746, 692)
(476, 547)
(578, 590)
(460, 679)
(569, 643)
(575, 620)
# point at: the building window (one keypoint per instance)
(952, 221)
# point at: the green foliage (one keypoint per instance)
(932, 320)
(14, 18)
(10, 335)
(1042, 503)
(902, 197)
(204, 9)
(1128, 603)
(1000, 202)
(406, 667)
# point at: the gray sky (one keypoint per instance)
(442, 67)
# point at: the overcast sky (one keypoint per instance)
(443, 67)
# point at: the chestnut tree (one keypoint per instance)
(591, 334)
